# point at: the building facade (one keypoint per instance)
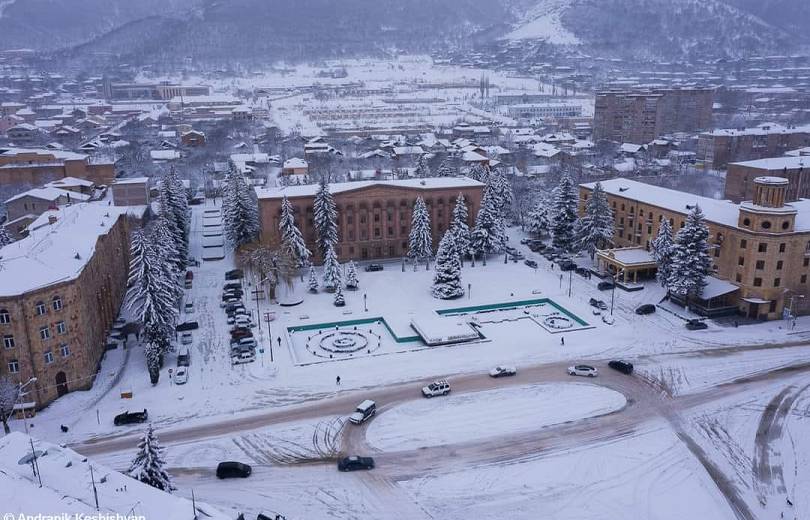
(740, 177)
(640, 115)
(374, 217)
(35, 167)
(61, 288)
(761, 245)
(718, 148)
(132, 191)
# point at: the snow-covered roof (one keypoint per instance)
(295, 162)
(777, 163)
(50, 194)
(408, 150)
(763, 129)
(57, 154)
(70, 181)
(309, 190)
(799, 152)
(631, 148)
(716, 287)
(164, 155)
(630, 255)
(443, 330)
(473, 157)
(132, 180)
(258, 158)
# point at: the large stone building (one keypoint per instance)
(374, 217)
(640, 115)
(34, 167)
(796, 169)
(61, 288)
(718, 148)
(761, 246)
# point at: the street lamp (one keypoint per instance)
(613, 289)
(365, 305)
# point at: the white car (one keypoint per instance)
(243, 357)
(186, 338)
(181, 376)
(189, 308)
(436, 388)
(583, 370)
(502, 371)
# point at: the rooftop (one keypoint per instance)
(777, 163)
(51, 194)
(309, 190)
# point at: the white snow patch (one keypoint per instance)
(545, 25)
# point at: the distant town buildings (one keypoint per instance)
(741, 176)
(163, 91)
(718, 148)
(33, 167)
(133, 191)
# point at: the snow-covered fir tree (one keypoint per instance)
(662, 247)
(332, 277)
(690, 257)
(479, 172)
(595, 228)
(420, 242)
(313, 280)
(325, 219)
(459, 229)
(422, 168)
(5, 237)
(160, 235)
(174, 203)
(339, 301)
(240, 210)
(149, 465)
(447, 280)
(537, 220)
(501, 190)
(445, 170)
(291, 238)
(488, 234)
(564, 214)
(351, 276)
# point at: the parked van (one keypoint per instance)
(363, 412)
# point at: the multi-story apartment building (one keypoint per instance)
(61, 288)
(640, 115)
(374, 217)
(762, 245)
(718, 148)
(34, 167)
(796, 169)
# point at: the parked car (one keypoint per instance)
(647, 308)
(234, 274)
(567, 265)
(370, 268)
(188, 325)
(583, 370)
(187, 284)
(503, 371)
(244, 342)
(695, 324)
(625, 367)
(192, 262)
(517, 255)
(131, 417)
(243, 357)
(184, 357)
(189, 307)
(440, 387)
(582, 271)
(531, 263)
(241, 332)
(363, 412)
(355, 463)
(232, 285)
(599, 304)
(232, 469)
(604, 286)
(181, 376)
(189, 275)
(231, 300)
(186, 338)
(525, 241)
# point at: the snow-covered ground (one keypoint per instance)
(543, 23)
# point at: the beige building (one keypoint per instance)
(374, 217)
(37, 201)
(131, 191)
(762, 246)
(796, 169)
(61, 288)
(35, 167)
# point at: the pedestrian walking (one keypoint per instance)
(562, 341)
(337, 380)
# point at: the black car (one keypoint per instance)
(599, 304)
(234, 274)
(582, 271)
(233, 469)
(188, 325)
(604, 286)
(355, 463)
(232, 285)
(696, 325)
(130, 418)
(371, 268)
(567, 265)
(647, 308)
(530, 263)
(625, 367)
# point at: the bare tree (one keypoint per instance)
(9, 392)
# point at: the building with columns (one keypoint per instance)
(761, 245)
(374, 217)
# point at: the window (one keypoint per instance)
(48, 357)
(760, 264)
(743, 244)
(8, 341)
(61, 328)
(376, 217)
(45, 332)
(738, 278)
(57, 303)
(779, 265)
(785, 224)
(772, 306)
(741, 261)
(777, 282)
(803, 279)
(782, 247)
(4, 316)
(13, 366)
(763, 247)
(757, 282)
(807, 262)
(64, 350)
(766, 224)
(746, 222)
(40, 308)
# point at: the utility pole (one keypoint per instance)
(95, 491)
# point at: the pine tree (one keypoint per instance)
(174, 203)
(165, 249)
(565, 215)
(331, 270)
(479, 172)
(149, 464)
(447, 280)
(445, 170)
(422, 168)
(459, 228)
(501, 190)
(325, 219)
(662, 248)
(340, 301)
(420, 242)
(488, 234)
(291, 238)
(690, 257)
(537, 221)
(5, 237)
(595, 228)
(240, 210)
(313, 280)
(351, 276)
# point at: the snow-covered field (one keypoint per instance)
(493, 413)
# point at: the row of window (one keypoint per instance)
(64, 351)
(40, 308)
(44, 334)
